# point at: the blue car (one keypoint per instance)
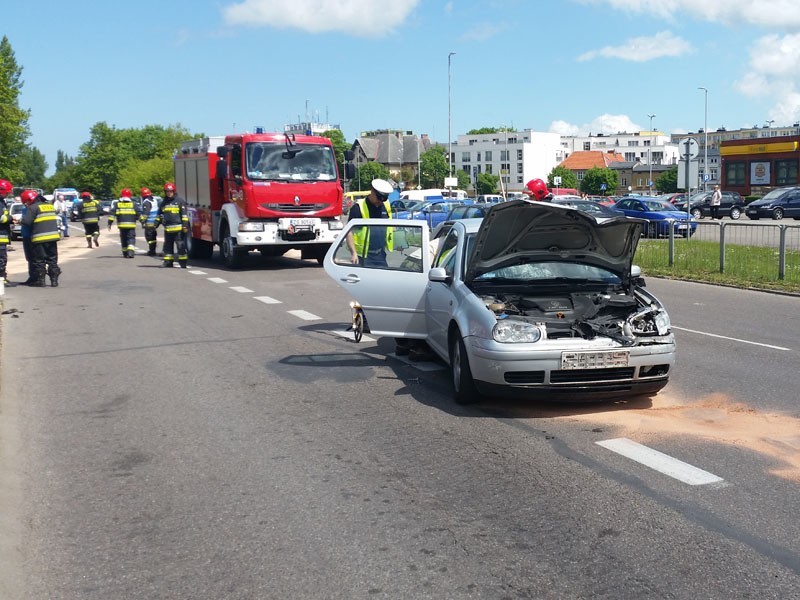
(433, 211)
(661, 216)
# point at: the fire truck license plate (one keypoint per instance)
(606, 359)
(299, 224)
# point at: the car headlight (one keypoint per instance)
(251, 226)
(663, 324)
(510, 331)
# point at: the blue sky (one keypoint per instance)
(570, 66)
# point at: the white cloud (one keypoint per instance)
(642, 49)
(772, 73)
(765, 13)
(364, 18)
(605, 124)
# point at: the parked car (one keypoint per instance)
(673, 197)
(560, 313)
(661, 216)
(467, 211)
(731, 205)
(15, 210)
(489, 199)
(777, 204)
(105, 207)
(433, 212)
(588, 206)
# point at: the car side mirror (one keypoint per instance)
(438, 274)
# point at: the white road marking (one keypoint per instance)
(306, 316)
(267, 300)
(663, 463)
(349, 335)
(217, 280)
(241, 290)
(196, 272)
(725, 337)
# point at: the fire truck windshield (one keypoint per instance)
(270, 162)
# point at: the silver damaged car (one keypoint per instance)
(535, 300)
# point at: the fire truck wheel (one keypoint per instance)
(230, 256)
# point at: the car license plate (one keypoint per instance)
(681, 226)
(298, 224)
(605, 359)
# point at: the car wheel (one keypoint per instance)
(464, 390)
(230, 256)
(777, 214)
(697, 213)
(358, 325)
(736, 212)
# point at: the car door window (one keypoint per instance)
(447, 255)
(381, 247)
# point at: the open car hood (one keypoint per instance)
(524, 231)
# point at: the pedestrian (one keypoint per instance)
(41, 217)
(89, 214)
(173, 216)
(5, 228)
(370, 250)
(148, 219)
(62, 212)
(125, 212)
(537, 190)
(716, 200)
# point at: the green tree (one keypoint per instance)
(152, 173)
(13, 120)
(667, 183)
(339, 146)
(34, 167)
(595, 177)
(464, 180)
(568, 178)
(484, 130)
(433, 167)
(487, 183)
(366, 173)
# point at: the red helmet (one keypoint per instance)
(144, 192)
(169, 187)
(126, 193)
(86, 195)
(538, 189)
(5, 187)
(28, 196)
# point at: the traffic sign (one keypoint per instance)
(602, 187)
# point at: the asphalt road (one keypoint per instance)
(205, 433)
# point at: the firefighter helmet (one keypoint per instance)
(28, 196)
(145, 192)
(5, 187)
(86, 195)
(126, 193)
(538, 189)
(169, 187)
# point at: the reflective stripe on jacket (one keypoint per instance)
(125, 213)
(5, 224)
(361, 234)
(173, 216)
(89, 211)
(44, 222)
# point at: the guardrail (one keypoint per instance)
(750, 251)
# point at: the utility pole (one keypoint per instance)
(705, 138)
(650, 158)
(449, 121)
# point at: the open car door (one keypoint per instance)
(389, 285)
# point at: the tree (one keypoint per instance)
(13, 120)
(339, 146)
(366, 173)
(595, 177)
(484, 130)
(568, 178)
(34, 167)
(433, 167)
(668, 182)
(464, 180)
(487, 183)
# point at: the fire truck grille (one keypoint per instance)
(295, 208)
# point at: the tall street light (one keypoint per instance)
(449, 121)
(650, 157)
(705, 137)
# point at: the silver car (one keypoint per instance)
(533, 300)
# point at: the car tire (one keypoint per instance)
(464, 390)
(736, 212)
(231, 257)
(777, 214)
(697, 213)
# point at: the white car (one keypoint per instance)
(533, 300)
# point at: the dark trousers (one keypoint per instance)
(174, 239)
(150, 234)
(3, 260)
(91, 230)
(45, 259)
(127, 239)
(715, 212)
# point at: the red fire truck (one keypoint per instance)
(270, 192)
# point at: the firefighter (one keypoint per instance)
(172, 215)
(5, 228)
(41, 218)
(125, 212)
(148, 219)
(89, 214)
(537, 189)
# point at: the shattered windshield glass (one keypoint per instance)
(307, 162)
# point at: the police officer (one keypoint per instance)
(5, 228)
(368, 246)
(148, 219)
(172, 214)
(41, 217)
(89, 214)
(126, 213)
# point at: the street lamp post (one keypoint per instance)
(705, 138)
(650, 157)
(449, 121)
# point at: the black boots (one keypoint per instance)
(88, 242)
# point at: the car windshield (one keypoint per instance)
(550, 272)
(657, 206)
(774, 194)
(271, 162)
(15, 209)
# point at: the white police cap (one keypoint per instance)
(382, 186)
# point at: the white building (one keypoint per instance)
(516, 156)
(641, 146)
